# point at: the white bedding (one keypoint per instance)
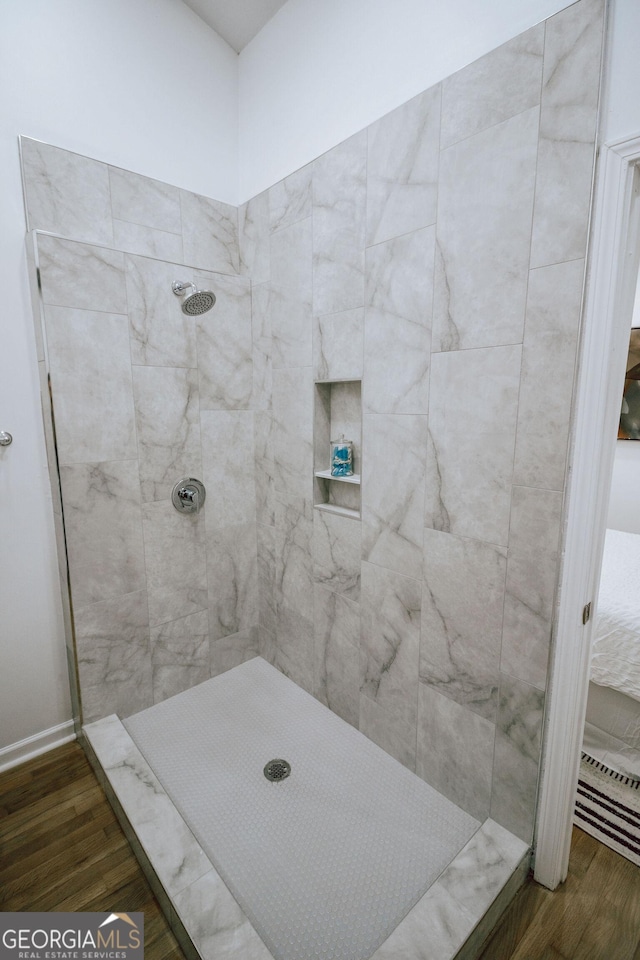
(616, 649)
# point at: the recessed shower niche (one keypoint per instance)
(337, 413)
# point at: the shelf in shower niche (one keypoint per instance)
(339, 511)
(327, 475)
(337, 413)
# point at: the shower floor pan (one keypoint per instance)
(347, 856)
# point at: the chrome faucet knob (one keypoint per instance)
(188, 495)
(5, 438)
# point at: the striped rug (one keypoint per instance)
(608, 807)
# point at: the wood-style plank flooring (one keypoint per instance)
(61, 848)
(593, 915)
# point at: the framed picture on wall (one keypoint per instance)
(629, 428)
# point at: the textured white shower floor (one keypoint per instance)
(324, 863)
(288, 850)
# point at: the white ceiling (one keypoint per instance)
(237, 21)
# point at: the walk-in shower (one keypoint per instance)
(196, 302)
(416, 313)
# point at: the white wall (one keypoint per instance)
(318, 72)
(621, 101)
(621, 119)
(142, 84)
(624, 499)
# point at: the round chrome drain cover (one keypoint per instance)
(277, 770)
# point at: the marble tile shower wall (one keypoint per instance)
(143, 396)
(438, 255)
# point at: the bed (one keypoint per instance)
(612, 730)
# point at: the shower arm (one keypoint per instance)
(179, 287)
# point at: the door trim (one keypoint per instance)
(608, 306)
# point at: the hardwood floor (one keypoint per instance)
(61, 848)
(594, 915)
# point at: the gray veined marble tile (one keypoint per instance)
(293, 419)
(294, 654)
(144, 201)
(266, 537)
(390, 730)
(215, 922)
(397, 327)
(262, 346)
(90, 369)
(66, 193)
(180, 654)
(440, 923)
(104, 530)
(435, 928)
(175, 558)
(487, 185)
(390, 640)
(177, 857)
(81, 275)
(455, 751)
(230, 651)
(228, 467)
(517, 755)
(232, 569)
(337, 550)
(114, 659)
(462, 604)
(267, 645)
(520, 715)
(290, 295)
(32, 276)
(290, 199)
(393, 491)
(294, 555)
(402, 168)
(339, 225)
(161, 335)
(224, 343)
(167, 415)
(515, 781)
(265, 467)
(337, 653)
(548, 364)
(209, 233)
(338, 345)
(503, 83)
(568, 114)
(531, 583)
(253, 238)
(472, 422)
(136, 238)
(476, 876)
(294, 590)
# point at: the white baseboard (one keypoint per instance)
(17, 753)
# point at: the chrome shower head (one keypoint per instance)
(196, 302)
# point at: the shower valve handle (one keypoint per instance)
(188, 495)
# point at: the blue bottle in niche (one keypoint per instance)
(342, 457)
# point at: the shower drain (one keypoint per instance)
(277, 769)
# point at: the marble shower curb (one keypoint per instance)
(450, 922)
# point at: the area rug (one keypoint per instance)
(608, 808)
